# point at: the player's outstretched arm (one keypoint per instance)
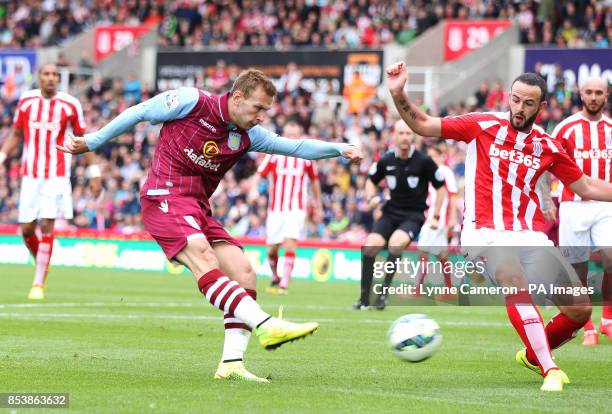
(167, 106)
(548, 206)
(417, 120)
(9, 145)
(263, 140)
(592, 188)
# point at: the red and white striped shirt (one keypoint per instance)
(502, 167)
(289, 183)
(44, 123)
(589, 144)
(451, 188)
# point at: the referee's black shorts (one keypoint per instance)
(410, 222)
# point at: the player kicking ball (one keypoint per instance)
(506, 154)
(203, 136)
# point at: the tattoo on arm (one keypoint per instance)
(406, 107)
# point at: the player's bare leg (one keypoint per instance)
(273, 261)
(289, 246)
(374, 244)
(397, 244)
(44, 250)
(228, 296)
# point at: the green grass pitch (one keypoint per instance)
(135, 342)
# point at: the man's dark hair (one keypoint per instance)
(533, 79)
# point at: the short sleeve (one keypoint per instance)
(377, 171)
(19, 117)
(564, 168)
(311, 170)
(433, 173)
(464, 127)
(449, 180)
(78, 120)
(266, 165)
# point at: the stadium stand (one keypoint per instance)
(287, 24)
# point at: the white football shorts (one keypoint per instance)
(285, 225)
(433, 241)
(41, 198)
(583, 224)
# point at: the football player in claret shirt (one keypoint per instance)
(202, 137)
(506, 154)
(43, 118)
(587, 138)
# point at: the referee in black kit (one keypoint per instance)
(408, 173)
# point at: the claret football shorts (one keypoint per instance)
(174, 220)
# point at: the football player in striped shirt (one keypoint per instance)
(289, 181)
(506, 154)
(43, 119)
(587, 138)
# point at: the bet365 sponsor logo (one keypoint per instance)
(201, 160)
(593, 154)
(514, 156)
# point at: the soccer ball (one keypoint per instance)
(414, 337)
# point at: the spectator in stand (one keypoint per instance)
(482, 94)
(289, 82)
(496, 97)
(358, 93)
(219, 77)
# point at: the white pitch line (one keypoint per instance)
(192, 305)
(157, 316)
(100, 305)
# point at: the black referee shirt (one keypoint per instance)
(407, 180)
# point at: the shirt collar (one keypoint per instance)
(224, 107)
(412, 149)
(601, 118)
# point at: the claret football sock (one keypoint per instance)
(228, 296)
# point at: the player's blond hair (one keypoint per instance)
(249, 80)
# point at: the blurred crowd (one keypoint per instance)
(325, 112)
(330, 116)
(231, 24)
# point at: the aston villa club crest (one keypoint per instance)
(537, 147)
(233, 141)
